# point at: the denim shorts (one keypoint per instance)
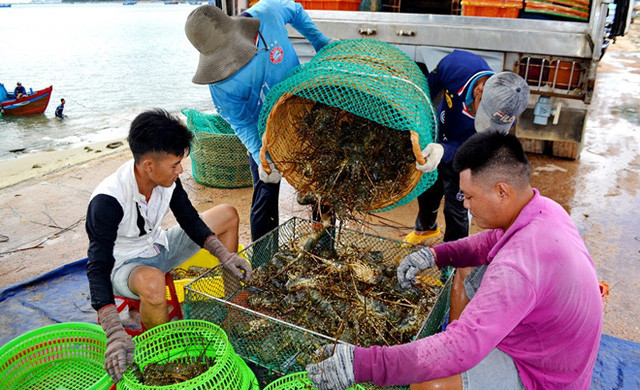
(181, 249)
(497, 370)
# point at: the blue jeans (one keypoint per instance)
(264, 204)
(456, 218)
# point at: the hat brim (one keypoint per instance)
(483, 122)
(230, 57)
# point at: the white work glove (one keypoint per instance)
(239, 267)
(120, 347)
(412, 264)
(433, 153)
(273, 177)
(335, 372)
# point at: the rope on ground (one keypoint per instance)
(54, 235)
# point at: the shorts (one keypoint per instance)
(472, 281)
(496, 371)
(182, 248)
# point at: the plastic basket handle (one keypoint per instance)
(417, 151)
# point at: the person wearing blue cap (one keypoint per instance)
(241, 59)
(466, 108)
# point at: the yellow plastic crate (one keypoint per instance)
(201, 259)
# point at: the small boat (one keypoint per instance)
(34, 103)
(5, 5)
(129, 2)
(170, 2)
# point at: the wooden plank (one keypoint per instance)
(566, 149)
(532, 145)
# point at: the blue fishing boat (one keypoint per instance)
(129, 2)
(5, 5)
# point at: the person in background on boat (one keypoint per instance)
(59, 110)
(241, 58)
(19, 92)
(462, 77)
(129, 252)
(532, 314)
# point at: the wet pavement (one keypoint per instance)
(43, 218)
(601, 189)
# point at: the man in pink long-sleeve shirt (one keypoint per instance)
(535, 317)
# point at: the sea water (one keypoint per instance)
(107, 60)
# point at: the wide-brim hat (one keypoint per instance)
(504, 98)
(225, 43)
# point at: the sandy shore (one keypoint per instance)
(39, 163)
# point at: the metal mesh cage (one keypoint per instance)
(283, 335)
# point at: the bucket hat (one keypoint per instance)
(225, 43)
(504, 98)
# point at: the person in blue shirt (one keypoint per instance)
(241, 59)
(19, 91)
(59, 110)
(461, 77)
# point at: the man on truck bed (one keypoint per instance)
(535, 312)
(242, 58)
(461, 77)
(129, 252)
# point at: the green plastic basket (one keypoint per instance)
(189, 338)
(218, 157)
(62, 356)
(297, 381)
(249, 378)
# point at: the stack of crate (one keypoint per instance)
(573, 9)
(492, 8)
(337, 5)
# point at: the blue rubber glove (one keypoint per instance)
(335, 372)
(412, 264)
